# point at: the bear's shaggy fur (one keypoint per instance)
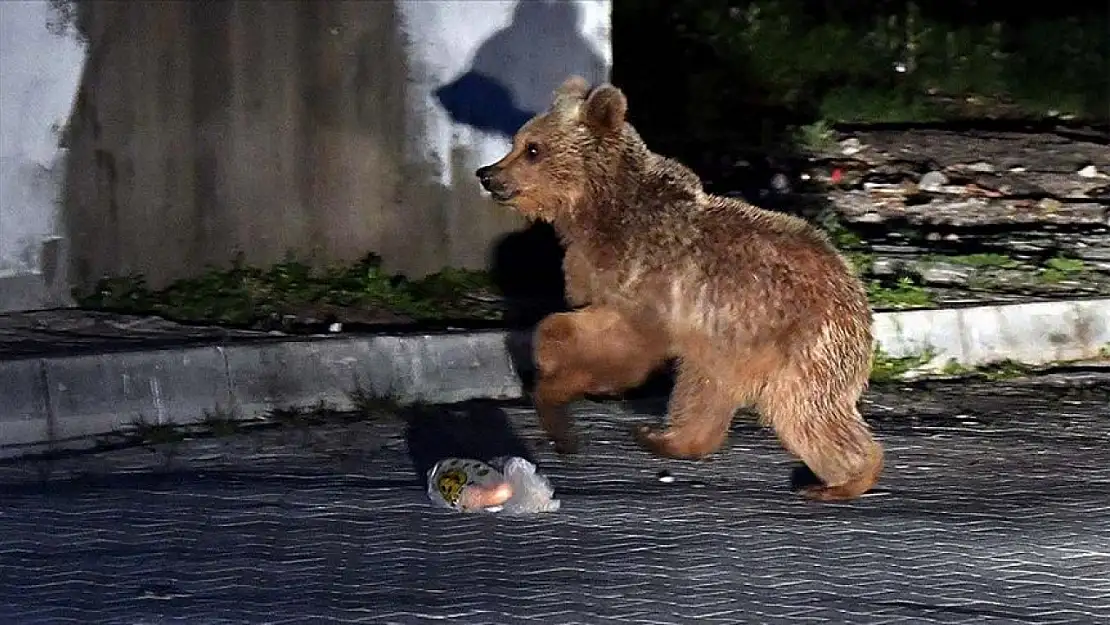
(755, 308)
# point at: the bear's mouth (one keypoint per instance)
(503, 195)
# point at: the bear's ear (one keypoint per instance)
(605, 110)
(569, 96)
(573, 87)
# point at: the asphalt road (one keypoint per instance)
(995, 508)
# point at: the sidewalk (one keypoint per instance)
(68, 375)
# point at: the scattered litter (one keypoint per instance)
(1050, 205)
(850, 146)
(506, 484)
(665, 477)
(933, 181)
(1090, 171)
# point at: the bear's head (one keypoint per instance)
(557, 155)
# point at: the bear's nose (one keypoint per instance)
(485, 174)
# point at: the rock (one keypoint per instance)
(1004, 184)
(933, 182)
(880, 205)
(945, 273)
(850, 146)
(1050, 159)
(780, 183)
(1090, 171)
(931, 203)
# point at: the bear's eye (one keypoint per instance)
(532, 151)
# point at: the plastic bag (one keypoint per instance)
(506, 484)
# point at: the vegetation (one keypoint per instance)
(979, 261)
(1001, 370)
(782, 71)
(1061, 268)
(905, 293)
(812, 64)
(255, 297)
(886, 368)
(248, 296)
(154, 433)
(223, 423)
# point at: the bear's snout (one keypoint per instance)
(496, 188)
(484, 174)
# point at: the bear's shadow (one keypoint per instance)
(478, 430)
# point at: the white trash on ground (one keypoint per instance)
(506, 484)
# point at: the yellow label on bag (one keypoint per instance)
(450, 485)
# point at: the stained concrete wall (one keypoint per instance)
(40, 66)
(477, 71)
(329, 129)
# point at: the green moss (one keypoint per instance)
(242, 295)
(904, 294)
(1004, 370)
(955, 367)
(1000, 370)
(1065, 265)
(1052, 276)
(1061, 268)
(850, 244)
(861, 262)
(885, 368)
(889, 368)
(817, 136)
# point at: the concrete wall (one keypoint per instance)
(40, 66)
(329, 129)
(477, 71)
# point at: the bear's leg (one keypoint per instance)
(829, 435)
(700, 411)
(593, 350)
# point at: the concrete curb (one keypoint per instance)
(62, 402)
(1034, 334)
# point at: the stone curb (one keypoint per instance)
(63, 402)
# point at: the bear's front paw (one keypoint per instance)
(651, 437)
(671, 443)
(565, 444)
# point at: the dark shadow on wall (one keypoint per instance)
(478, 101)
(511, 78)
(514, 72)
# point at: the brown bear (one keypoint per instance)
(755, 308)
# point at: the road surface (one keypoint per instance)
(995, 508)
